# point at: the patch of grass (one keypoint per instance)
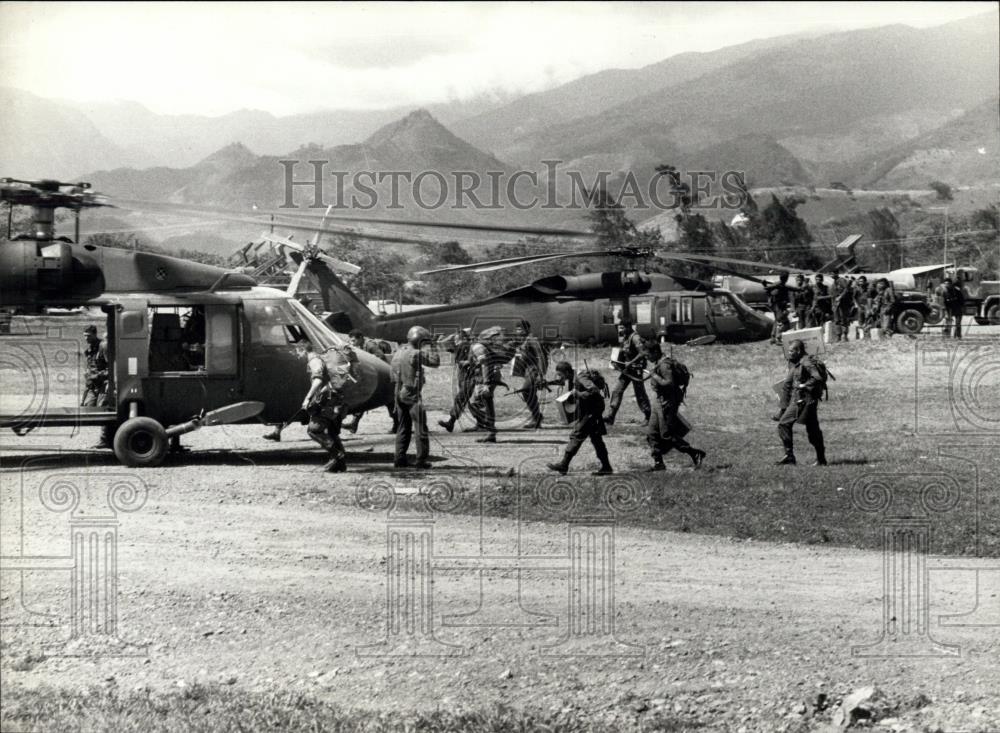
(215, 708)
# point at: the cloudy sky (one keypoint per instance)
(297, 57)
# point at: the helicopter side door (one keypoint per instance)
(193, 360)
(681, 317)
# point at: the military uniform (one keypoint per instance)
(589, 423)
(464, 379)
(951, 299)
(843, 308)
(778, 299)
(408, 376)
(326, 413)
(96, 384)
(822, 310)
(666, 430)
(486, 364)
(803, 303)
(631, 347)
(531, 362)
(884, 310)
(800, 396)
(862, 307)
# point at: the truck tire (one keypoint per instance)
(910, 321)
(934, 316)
(141, 442)
(993, 314)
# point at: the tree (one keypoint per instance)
(942, 189)
(883, 228)
(786, 235)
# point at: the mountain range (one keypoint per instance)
(890, 107)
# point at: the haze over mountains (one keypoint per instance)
(886, 107)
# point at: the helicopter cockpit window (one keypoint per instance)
(272, 323)
(198, 338)
(721, 306)
(611, 314)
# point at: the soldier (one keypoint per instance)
(862, 306)
(666, 429)
(843, 306)
(778, 298)
(487, 356)
(633, 355)
(564, 375)
(803, 300)
(324, 404)
(408, 375)
(531, 362)
(885, 304)
(589, 389)
(363, 343)
(951, 300)
(95, 393)
(822, 310)
(459, 344)
(800, 396)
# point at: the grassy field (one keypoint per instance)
(894, 406)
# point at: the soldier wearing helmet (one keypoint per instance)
(530, 362)
(407, 370)
(487, 355)
(459, 344)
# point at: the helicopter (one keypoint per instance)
(584, 309)
(189, 345)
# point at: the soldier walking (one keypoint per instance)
(460, 344)
(487, 356)
(801, 392)
(633, 355)
(530, 362)
(95, 392)
(951, 300)
(324, 404)
(666, 429)
(589, 389)
(885, 306)
(408, 377)
(862, 306)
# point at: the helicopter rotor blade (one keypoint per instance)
(494, 265)
(293, 285)
(220, 212)
(711, 259)
(308, 251)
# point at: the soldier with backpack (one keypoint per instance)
(802, 390)
(951, 300)
(589, 389)
(633, 356)
(324, 403)
(670, 379)
(407, 371)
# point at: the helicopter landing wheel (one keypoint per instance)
(141, 442)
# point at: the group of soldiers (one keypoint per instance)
(478, 361)
(844, 300)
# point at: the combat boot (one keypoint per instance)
(448, 424)
(562, 467)
(697, 456)
(488, 438)
(274, 435)
(657, 466)
(820, 458)
(604, 470)
(788, 460)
